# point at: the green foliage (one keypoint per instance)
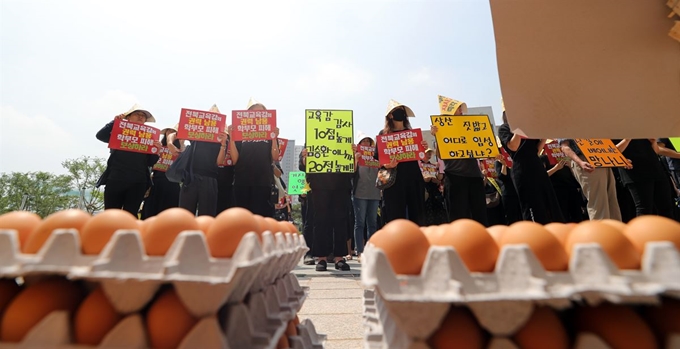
(84, 172)
(296, 215)
(40, 192)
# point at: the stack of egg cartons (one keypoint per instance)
(591, 305)
(184, 299)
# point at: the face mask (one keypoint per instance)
(399, 115)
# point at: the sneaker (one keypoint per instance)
(322, 266)
(342, 265)
(308, 260)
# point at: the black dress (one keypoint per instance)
(164, 194)
(511, 207)
(568, 192)
(534, 189)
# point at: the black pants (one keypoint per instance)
(465, 198)
(652, 197)
(571, 204)
(513, 212)
(124, 195)
(200, 194)
(405, 196)
(225, 197)
(331, 214)
(308, 222)
(164, 195)
(256, 199)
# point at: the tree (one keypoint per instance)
(84, 172)
(41, 192)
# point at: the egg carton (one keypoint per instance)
(279, 304)
(503, 300)
(130, 278)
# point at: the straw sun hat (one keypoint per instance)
(136, 107)
(394, 105)
(449, 106)
(253, 102)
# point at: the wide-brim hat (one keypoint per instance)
(392, 104)
(253, 102)
(169, 129)
(361, 136)
(136, 107)
(214, 109)
(429, 150)
(449, 106)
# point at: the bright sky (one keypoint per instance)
(68, 67)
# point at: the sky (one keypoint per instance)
(68, 67)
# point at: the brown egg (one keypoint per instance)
(226, 232)
(291, 330)
(272, 225)
(664, 319)
(204, 223)
(618, 325)
(543, 330)
(544, 245)
(95, 318)
(283, 342)
(458, 330)
(616, 224)
(496, 232)
(642, 230)
(168, 321)
(261, 225)
(613, 243)
(35, 302)
(8, 289)
(97, 232)
(22, 221)
(163, 230)
(67, 219)
(404, 245)
(293, 229)
(474, 245)
(144, 225)
(560, 230)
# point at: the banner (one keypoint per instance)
(676, 143)
(329, 141)
(428, 169)
(202, 126)
(465, 137)
(165, 160)
(296, 183)
(601, 153)
(283, 144)
(403, 146)
(366, 159)
(506, 157)
(253, 125)
(134, 137)
(554, 152)
(489, 166)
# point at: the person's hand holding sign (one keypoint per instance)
(629, 164)
(424, 144)
(276, 132)
(157, 144)
(433, 130)
(392, 164)
(119, 117)
(586, 166)
(222, 138)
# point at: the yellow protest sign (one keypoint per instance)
(601, 152)
(329, 141)
(448, 106)
(465, 136)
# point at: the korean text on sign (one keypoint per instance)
(134, 137)
(197, 125)
(465, 137)
(366, 159)
(601, 152)
(329, 141)
(401, 146)
(253, 125)
(283, 145)
(296, 183)
(165, 160)
(489, 167)
(429, 170)
(554, 152)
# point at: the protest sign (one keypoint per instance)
(366, 159)
(465, 136)
(601, 152)
(329, 141)
(428, 169)
(202, 126)
(676, 143)
(283, 144)
(253, 125)
(554, 152)
(165, 160)
(296, 183)
(506, 157)
(401, 146)
(489, 167)
(134, 137)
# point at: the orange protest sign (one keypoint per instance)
(601, 152)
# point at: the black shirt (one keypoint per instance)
(646, 165)
(204, 158)
(127, 166)
(254, 165)
(164, 142)
(508, 188)
(562, 178)
(673, 164)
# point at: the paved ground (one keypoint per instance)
(334, 304)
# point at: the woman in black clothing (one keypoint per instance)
(536, 195)
(511, 208)
(225, 184)
(646, 180)
(567, 189)
(405, 198)
(127, 174)
(164, 194)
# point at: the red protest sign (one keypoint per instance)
(366, 159)
(489, 167)
(554, 152)
(283, 144)
(402, 146)
(506, 157)
(197, 125)
(134, 137)
(428, 169)
(253, 125)
(166, 159)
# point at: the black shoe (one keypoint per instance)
(322, 266)
(342, 265)
(308, 260)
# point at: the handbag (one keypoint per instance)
(493, 199)
(180, 170)
(386, 178)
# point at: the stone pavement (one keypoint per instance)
(334, 304)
